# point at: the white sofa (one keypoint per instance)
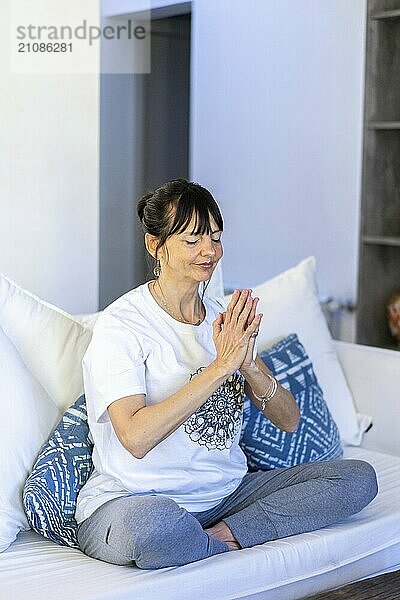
(365, 545)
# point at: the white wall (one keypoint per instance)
(276, 134)
(277, 103)
(49, 182)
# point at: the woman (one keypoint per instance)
(164, 375)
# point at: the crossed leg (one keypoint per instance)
(153, 531)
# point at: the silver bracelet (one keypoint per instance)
(270, 393)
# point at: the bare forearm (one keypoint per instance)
(282, 409)
(152, 424)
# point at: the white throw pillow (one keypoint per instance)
(289, 304)
(49, 340)
(88, 320)
(28, 416)
(216, 286)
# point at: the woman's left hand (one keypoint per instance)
(248, 360)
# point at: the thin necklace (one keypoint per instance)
(167, 306)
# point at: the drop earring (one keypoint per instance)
(157, 269)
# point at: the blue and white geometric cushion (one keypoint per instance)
(317, 437)
(61, 469)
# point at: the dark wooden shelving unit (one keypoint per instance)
(379, 255)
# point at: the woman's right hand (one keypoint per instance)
(231, 334)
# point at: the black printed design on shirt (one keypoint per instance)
(215, 424)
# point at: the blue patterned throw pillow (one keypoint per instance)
(317, 436)
(61, 469)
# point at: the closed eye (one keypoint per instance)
(218, 241)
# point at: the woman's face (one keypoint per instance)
(192, 257)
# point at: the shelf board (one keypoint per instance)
(389, 15)
(383, 125)
(392, 347)
(381, 240)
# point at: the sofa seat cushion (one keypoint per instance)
(61, 469)
(317, 436)
(363, 545)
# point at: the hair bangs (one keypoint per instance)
(201, 204)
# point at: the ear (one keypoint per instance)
(151, 244)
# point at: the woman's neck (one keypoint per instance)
(182, 300)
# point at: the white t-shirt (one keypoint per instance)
(138, 348)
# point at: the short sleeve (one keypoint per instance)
(113, 365)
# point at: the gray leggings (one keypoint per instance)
(152, 531)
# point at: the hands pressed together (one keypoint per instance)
(235, 331)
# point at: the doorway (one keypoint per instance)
(144, 142)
